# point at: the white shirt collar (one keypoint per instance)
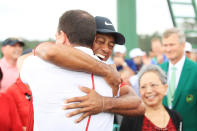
(85, 49)
(178, 65)
(88, 51)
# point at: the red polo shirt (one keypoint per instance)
(10, 120)
(22, 97)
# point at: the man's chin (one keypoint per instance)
(169, 57)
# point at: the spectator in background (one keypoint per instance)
(136, 55)
(188, 49)
(119, 59)
(153, 87)
(11, 50)
(146, 58)
(157, 51)
(190, 52)
(126, 67)
(193, 55)
(9, 118)
(22, 97)
(182, 74)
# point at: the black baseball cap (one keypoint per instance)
(12, 41)
(105, 26)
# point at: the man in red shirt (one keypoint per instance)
(22, 97)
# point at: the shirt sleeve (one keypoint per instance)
(26, 68)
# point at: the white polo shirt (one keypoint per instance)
(51, 85)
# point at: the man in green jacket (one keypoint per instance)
(182, 78)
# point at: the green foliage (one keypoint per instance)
(31, 44)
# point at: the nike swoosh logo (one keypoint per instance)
(107, 23)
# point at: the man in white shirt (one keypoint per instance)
(59, 84)
(49, 93)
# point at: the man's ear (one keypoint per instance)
(94, 39)
(2, 49)
(65, 37)
(61, 38)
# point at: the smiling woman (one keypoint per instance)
(153, 87)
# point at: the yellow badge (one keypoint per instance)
(189, 98)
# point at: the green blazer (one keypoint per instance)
(185, 97)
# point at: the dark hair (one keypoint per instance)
(79, 26)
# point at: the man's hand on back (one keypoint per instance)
(90, 104)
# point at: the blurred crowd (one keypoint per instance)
(129, 67)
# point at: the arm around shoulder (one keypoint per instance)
(127, 104)
(74, 59)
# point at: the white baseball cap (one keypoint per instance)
(136, 52)
(120, 49)
(188, 47)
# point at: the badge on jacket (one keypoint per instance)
(189, 98)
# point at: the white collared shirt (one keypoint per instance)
(51, 85)
(179, 67)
